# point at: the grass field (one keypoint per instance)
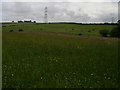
(86, 30)
(40, 58)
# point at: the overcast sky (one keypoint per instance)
(69, 10)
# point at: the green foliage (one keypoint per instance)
(115, 32)
(20, 30)
(104, 33)
(80, 34)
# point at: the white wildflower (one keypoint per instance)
(91, 74)
(41, 78)
(12, 75)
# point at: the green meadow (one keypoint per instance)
(87, 30)
(55, 56)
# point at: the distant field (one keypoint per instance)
(39, 58)
(86, 30)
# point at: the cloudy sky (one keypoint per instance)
(59, 10)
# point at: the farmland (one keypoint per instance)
(55, 56)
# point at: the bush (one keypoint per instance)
(10, 30)
(3, 26)
(115, 32)
(104, 33)
(20, 30)
(80, 34)
(72, 29)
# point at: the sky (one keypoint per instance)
(60, 0)
(82, 11)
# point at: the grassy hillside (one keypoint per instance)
(38, 59)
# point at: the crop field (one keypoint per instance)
(55, 56)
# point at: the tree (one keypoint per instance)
(118, 21)
(115, 32)
(104, 33)
(34, 21)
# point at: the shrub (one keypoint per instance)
(72, 29)
(10, 30)
(104, 33)
(80, 34)
(20, 30)
(115, 32)
(3, 26)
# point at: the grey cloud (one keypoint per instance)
(16, 10)
(78, 12)
(108, 17)
(119, 10)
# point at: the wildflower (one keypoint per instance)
(73, 73)
(12, 75)
(28, 64)
(108, 77)
(104, 74)
(55, 75)
(66, 78)
(5, 66)
(41, 78)
(91, 74)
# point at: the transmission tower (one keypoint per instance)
(45, 15)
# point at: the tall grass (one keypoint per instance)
(46, 60)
